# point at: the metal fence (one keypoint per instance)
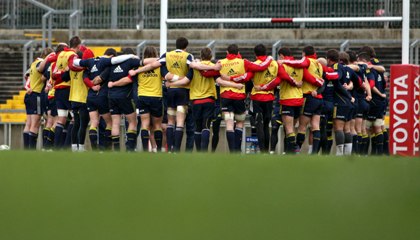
(132, 14)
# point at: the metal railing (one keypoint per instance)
(415, 52)
(139, 14)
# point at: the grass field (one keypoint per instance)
(91, 196)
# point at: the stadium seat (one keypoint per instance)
(99, 51)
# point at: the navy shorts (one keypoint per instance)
(312, 106)
(76, 106)
(327, 110)
(62, 98)
(118, 106)
(203, 111)
(35, 103)
(152, 105)
(376, 110)
(362, 108)
(232, 105)
(98, 103)
(263, 108)
(52, 107)
(343, 112)
(177, 97)
(292, 111)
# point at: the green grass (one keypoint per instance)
(91, 196)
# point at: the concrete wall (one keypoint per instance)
(220, 34)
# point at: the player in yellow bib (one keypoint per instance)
(35, 100)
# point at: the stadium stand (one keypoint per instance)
(10, 74)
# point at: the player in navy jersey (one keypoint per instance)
(121, 101)
(377, 106)
(326, 121)
(97, 99)
(353, 81)
(343, 101)
(380, 70)
(362, 97)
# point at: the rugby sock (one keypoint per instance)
(360, 145)
(290, 141)
(366, 142)
(300, 138)
(355, 144)
(131, 140)
(93, 136)
(59, 128)
(144, 134)
(238, 139)
(197, 140)
(158, 139)
(50, 138)
(205, 139)
(179, 132)
(329, 137)
(25, 140)
(116, 142)
(108, 139)
(274, 139)
(373, 145)
(386, 142)
(170, 137)
(348, 143)
(32, 140)
(67, 139)
(379, 144)
(230, 136)
(45, 132)
(339, 141)
(310, 149)
(329, 145)
(316, 141)
(215, 136)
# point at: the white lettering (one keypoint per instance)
(417, 84)
(416, 122)
(404, 135)
(399, 149)
(416, 107)
(399, 93)
(401, 81)
(398, 103)
(399, 121)
(416, 136)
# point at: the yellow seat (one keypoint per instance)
(6, 106)
(18, 98)
(18, 106)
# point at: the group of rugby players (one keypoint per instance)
(344, 92)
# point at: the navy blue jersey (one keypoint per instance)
(341, 95)
(351, 76)
(95, 66)
(328, 91)
(120, 71)
(376, 62)
(379, 84)
(360, 92)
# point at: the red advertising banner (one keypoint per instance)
(404, 110)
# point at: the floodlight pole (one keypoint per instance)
(163, 26)
(405, 32)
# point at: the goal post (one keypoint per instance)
(404, 89)
(405, 18)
